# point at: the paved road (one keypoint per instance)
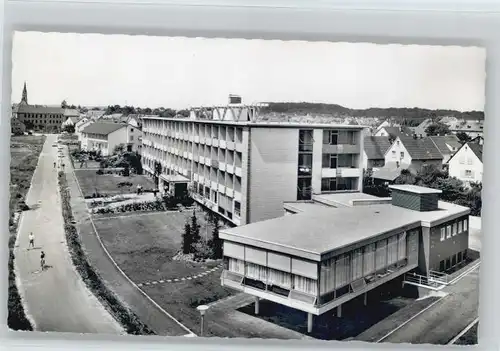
(55, 299)
(449, 317)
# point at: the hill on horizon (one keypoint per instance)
(335, 110)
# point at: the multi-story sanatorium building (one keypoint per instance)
(320, 257)
(244, 170)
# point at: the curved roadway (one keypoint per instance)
(55, 299)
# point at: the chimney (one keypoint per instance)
(416, 198)
(234, 99)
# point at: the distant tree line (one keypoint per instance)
(391, 112)
(131, 110)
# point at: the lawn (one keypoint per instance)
(107, 184)
(24, 152)
(143, 244)
(470, 337)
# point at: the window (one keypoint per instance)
(306, 285)
(443, 233)
(460, 226)
(402, 154)
(393, 153)
(465, 225)
(333, 137)
(448, 232)
(468, 173)
(328, 184)
(469, 161)
(461, 160)
(237, 208)
(279, 278)
(454, 229)
(131, 138)
(131, 130)
(397, 142)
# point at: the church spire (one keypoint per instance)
(24, 99)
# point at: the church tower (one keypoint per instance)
(24, 99)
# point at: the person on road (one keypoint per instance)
(31, 238)
(42, 260)
(55, 164)
(62, 165)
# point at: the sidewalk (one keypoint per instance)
(55, 299)
(149, 313)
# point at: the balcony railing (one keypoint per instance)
(305, 170)
(305, 147)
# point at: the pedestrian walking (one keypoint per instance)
(42, 260)
(31, 238)
(62, 166)
(55, 164)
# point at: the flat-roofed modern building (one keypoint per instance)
(244, 169)
(320, 257)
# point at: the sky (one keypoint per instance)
(174, 72)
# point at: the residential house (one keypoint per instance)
(394, 132)
(70, 121)
(473, 128)
(467, 163)
(447, 145)
(105, 136)
(80, 125)
(374, 151)
(414, 152)
(419, 130)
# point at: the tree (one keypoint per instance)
(157, 171)
(187, 239)
(17, 127)
(64, 104)
(69, 128)
(463, 137)
(119, 149)
(29, 125)
(216, 242)
(195, 231)
(437, 129)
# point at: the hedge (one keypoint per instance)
(92, 279)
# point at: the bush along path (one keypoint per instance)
(177, 280)
(118, 310)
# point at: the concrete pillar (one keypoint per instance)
(309, 322)
(365, 298)
(339, 311)
(257, 300)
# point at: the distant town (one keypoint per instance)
(271, 220)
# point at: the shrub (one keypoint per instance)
(100, 171)
(126, 317)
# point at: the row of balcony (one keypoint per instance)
(182, 129)
(216, 143)
(306, 171)
(221, 188)
(196, 137)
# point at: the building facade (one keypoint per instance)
(243, 170)
(467, 163)
(105, 136)
(320, 258)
